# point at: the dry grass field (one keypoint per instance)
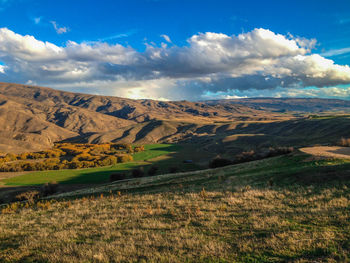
(281, 209)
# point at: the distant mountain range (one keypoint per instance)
(33, 118)
(310, 105)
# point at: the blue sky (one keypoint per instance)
(146, 42)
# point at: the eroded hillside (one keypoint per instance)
(33, 118)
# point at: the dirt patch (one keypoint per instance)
(328, 151)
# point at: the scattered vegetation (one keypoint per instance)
(345, 142)
(70, 156)
(49, 188)
(29, 196)
(249, 156)
(154, 154)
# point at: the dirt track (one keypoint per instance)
(328, 151)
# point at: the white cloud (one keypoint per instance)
(166, 38)
(59, 30)
(37, 20)
(331, 92)
(211, 62)
(2, 69)
(336, 52)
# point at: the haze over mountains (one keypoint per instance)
(33, 118)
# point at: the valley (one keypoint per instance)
(120, 180)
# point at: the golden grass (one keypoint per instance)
(249, 225)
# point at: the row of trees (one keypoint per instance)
(57, 164)
(250, 156)
(68, 149)
(70, 156)
(140, 172)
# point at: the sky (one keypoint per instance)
(179, 49)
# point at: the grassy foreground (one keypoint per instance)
(282, 209)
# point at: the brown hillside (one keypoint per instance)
(33, 118)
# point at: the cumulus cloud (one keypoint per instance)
(2, 69)
(210, 63)
(59, 30)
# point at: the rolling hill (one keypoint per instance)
(35, 117)
(282, 209)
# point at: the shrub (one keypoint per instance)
(36, 155)
(22, 156)
(84, 157)
(49, 188)
(173, 169)
(100, 149)
(153, 170)
(74, 165)
(53, 153)
(124, 158)
(128, 148)
(29, 196)
(116, 177)
(252, 155)
(10, 157)
(279, 151)
(138, 172)
(139, 148)
(344, 142)
(109, 160)
(246, 157)
(72, 150)
(219, 162)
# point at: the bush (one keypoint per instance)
(116, 177)
(173, 169)
(49, 188)
(36, 155)
(10, 157)
(22, 156)
(109, 160)
(139, 149)
(153, 170)
(29, 196)
(246, 157)
(219, 162)
(253, 156)
(124, 158)
(279, 151)
(344, 142)
(138, 172)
